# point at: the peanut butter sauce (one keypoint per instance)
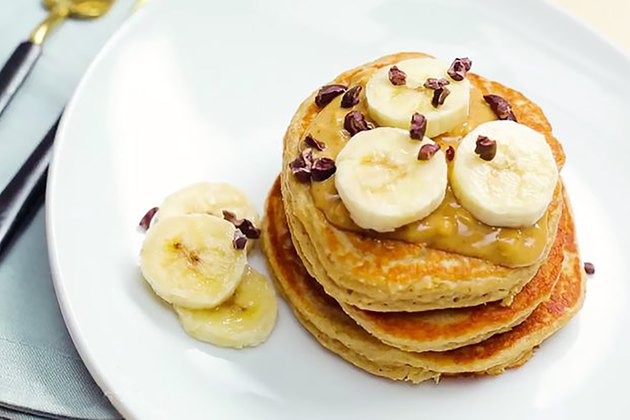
(450, 227)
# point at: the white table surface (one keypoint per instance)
(609, 18)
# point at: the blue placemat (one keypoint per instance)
(41, 374)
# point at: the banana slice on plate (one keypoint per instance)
(393, 105)
(383, 183)
(191, 260)
(244, 320)
(512, 184)
(208, 198)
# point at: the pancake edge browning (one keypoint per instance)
(425, 331)
(322, 316)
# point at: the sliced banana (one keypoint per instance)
(393, 106)
(190, 260)
(208, 198)
(244, 320)
(513, 189)
(383, 184)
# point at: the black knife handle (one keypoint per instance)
(16, 70)
(24, 192)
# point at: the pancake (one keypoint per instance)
(446, 329)
(391, 275)
(396, 371)
(334, 329)
(393, 370)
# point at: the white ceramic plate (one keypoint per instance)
(196, 90)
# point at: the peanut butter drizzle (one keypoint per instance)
(450, 227)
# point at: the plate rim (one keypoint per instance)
(59, 286)
(123, 406)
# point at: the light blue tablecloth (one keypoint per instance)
(40, 371)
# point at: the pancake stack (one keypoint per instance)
(400, 303)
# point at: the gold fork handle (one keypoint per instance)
(54, 18)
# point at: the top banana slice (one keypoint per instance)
(513, 188)
(392, 106)
(190, 260)
(382, 182)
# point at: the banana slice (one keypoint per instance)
(392, 106)
(515, 187)
(190, 260)
(244, 320)
(383, 184)
(208, 198)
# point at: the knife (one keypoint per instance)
(24, 193)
